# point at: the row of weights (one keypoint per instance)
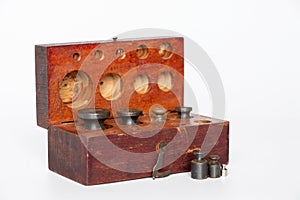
(202, 169)
(94, 118)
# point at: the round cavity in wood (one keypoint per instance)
(203, 121)
(142, 51)
(165, 50)
(75, 89)
(111, 86)
(76, 56)
(120, 53)
(141, 84)
(165, 81)
(99, 55)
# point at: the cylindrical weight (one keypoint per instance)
(215, 168)
(199, 166)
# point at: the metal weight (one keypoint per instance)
(224, 171)
(159, 114)
(199, 166)
(129, 116)
(183, 112)
(93, 118)
(215, 167)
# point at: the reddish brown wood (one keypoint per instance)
(53, 62)
(73, 153)
(77, 154)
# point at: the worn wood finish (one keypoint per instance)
(89, 75)
(79, 154)
(54, 62)
(41, 77)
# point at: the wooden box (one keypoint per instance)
(139, 73)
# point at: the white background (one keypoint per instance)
(255, 45)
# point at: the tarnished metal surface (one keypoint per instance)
(199, 166)
(129, 116)
(215, 167)
(159, 164)
(183, 112)
(93, 118)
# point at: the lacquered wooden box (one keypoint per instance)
(135, 73)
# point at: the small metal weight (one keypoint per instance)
(93, 118)
(183, 112)
(215, 167)
(199, 166)
(129, 116)
(159, 114)
(224, 171)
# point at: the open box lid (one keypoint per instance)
(137, 73)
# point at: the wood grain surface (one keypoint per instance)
(55, 62)
(88, 158)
